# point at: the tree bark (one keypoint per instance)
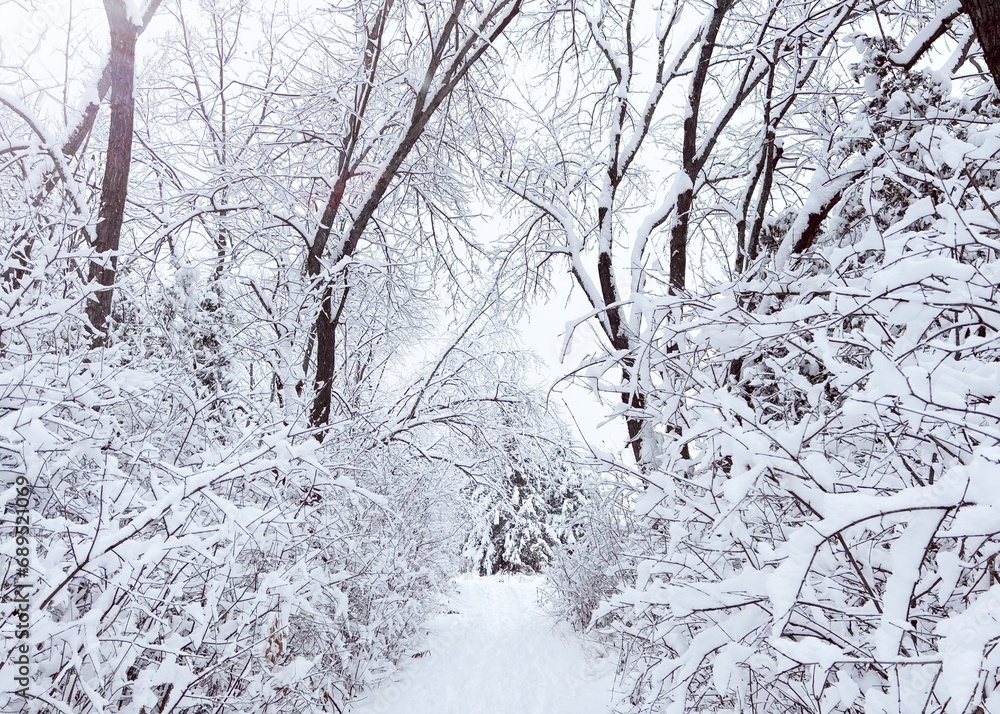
(114, 188)
(985, 15)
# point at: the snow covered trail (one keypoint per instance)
(497, 652)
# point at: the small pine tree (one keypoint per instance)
(519, 519)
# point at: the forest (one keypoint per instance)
(264, 390)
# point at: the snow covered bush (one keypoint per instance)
(190, 557)
(194, 548)
(828, 508)
(176, 575)
(784, 224)
(598, 554)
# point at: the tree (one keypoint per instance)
(594, 204)
(455, 40)
(116, 79)
(524, 507)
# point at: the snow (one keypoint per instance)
(496, 651)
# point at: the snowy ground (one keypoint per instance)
(498, 652)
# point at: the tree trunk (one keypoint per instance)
(114, 188)
(985, 16)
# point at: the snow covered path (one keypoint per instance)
(497, 652)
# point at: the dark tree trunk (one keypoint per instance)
(471, 49)
(985, 16)
(633, 397)
(78, 135)
(114, 188)
(636, 402)
(691, 163)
